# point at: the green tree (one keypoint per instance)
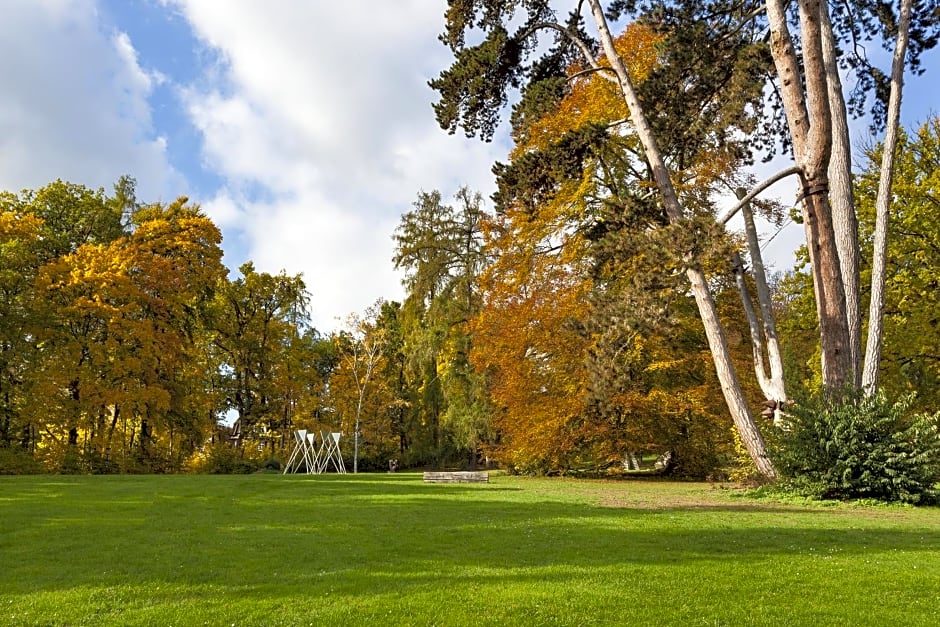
(311, 362)
(911, 354)
(394, 375)
(256, 321)
(440, 247)
(73, 215)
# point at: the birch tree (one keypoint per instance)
(363, 348)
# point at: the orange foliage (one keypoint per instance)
(530, 338)
(592, 98)
(525, 341)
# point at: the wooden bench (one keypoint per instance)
(465, 476)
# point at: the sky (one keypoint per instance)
(303, 129)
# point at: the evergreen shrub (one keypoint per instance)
(861, 447)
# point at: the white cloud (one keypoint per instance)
(320, 120)
(74, 104)
(142, 80)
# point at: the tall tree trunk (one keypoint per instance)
(882, 205)
(730, 386)
(841, 197)
(754, 325)
(776, 387)
(115, 414)
(809, 119)
(356, 435)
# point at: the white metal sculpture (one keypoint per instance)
(313, 459)
(300, 456)
(329, 452)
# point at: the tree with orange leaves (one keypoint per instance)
(687, 120)
(529, 343)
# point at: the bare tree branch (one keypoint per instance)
(757, 190)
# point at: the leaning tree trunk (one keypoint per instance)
(730, 386)
(754, 325)
(809, 119)
(882, 205)
(844, 220)
(772, 383)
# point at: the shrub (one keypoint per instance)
(741, 468)
(15, 460)
(221, 458)
(861, 447)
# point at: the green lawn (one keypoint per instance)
(391, 550)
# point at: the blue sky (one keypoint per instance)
(304, 129)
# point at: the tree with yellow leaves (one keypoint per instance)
(118, 339)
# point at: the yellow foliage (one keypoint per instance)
(117, 346)
(14, 226)
(743, 469)
(591, 97)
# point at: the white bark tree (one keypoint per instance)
(764, 337)
(804, 90)
(844, 220)
(727, 376)
(364, 352)
(882, 207)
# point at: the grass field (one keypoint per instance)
(391, 550)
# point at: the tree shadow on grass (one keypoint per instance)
(398, 532)
(350, 548)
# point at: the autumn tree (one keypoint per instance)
(475, 106)
(123, 343)
(530, 346)
(38, 227)
(360, 397)
(583, 370)
(185, 269)
(116, 332)
(19, 261)
(475, 89)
